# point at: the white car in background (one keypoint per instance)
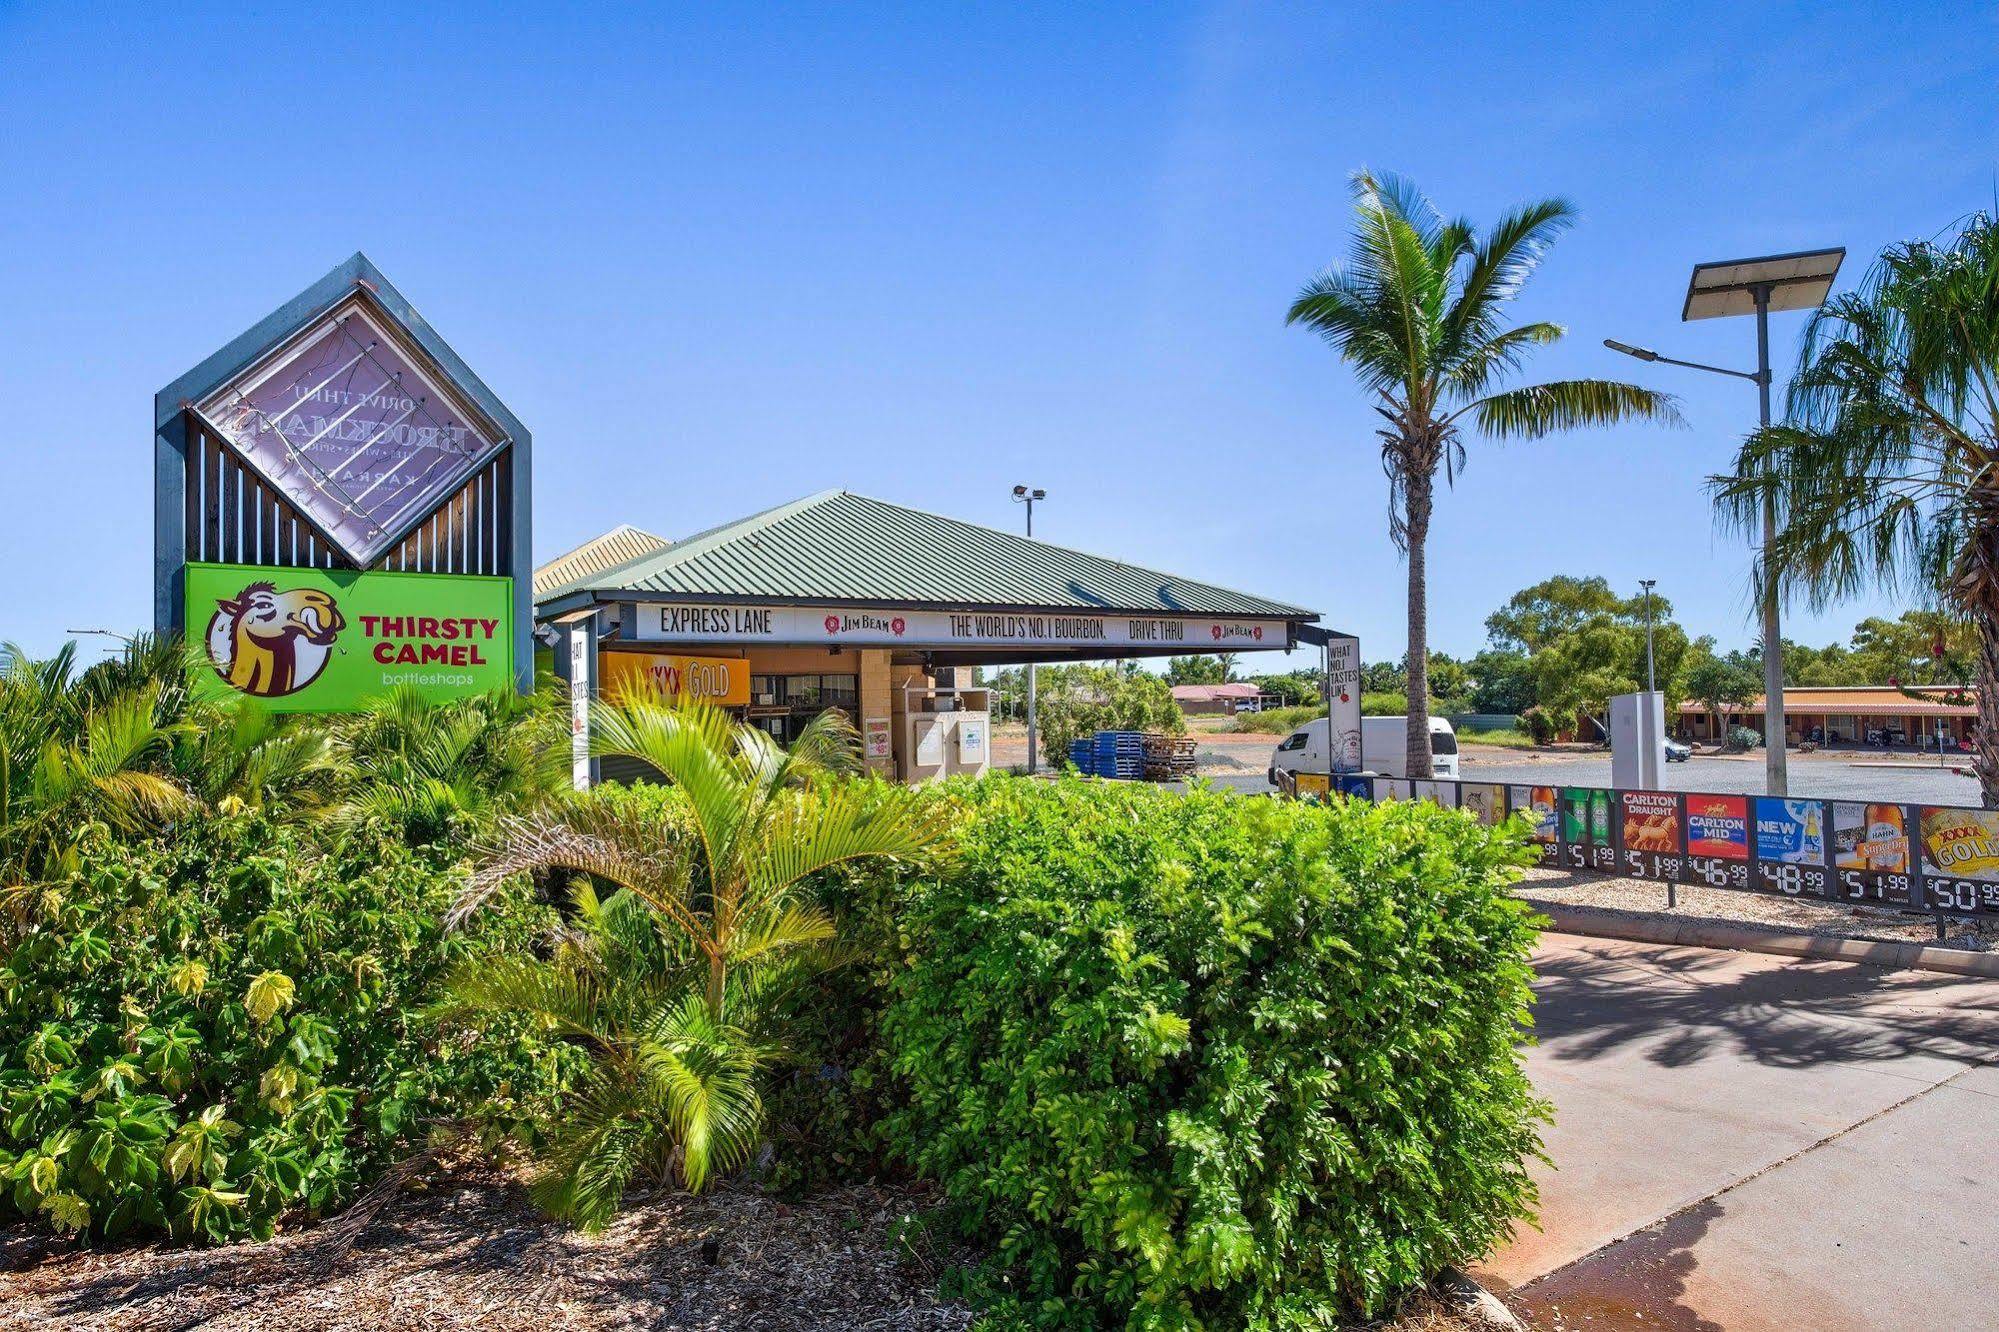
(1384, 748)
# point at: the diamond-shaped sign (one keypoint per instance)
(352, 431)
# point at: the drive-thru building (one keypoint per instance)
(839, 600)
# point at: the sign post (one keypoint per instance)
(582, 662)
(1342, 705)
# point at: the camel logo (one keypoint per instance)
(269, 643)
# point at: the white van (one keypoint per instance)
(1384, 748)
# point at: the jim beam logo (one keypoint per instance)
(853, 622)
(1236, 633)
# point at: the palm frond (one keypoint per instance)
(1542, 409)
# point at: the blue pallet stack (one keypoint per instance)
(1120, 755)
(1082, 754)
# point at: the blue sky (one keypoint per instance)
(724, 257)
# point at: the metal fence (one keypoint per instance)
(1929, 859)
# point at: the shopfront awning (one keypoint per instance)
(840, 569)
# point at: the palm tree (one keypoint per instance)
(71, 756)
(1417, 311)
(1885, 471)
(421, 765)
(675, 983)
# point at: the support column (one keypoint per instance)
(582, 656)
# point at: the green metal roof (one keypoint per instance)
(615, 548)
(837, 546)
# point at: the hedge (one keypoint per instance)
(1210, 1061)
(206, 1033)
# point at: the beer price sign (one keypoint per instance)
(1929, 858)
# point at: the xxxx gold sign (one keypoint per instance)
(722, 681)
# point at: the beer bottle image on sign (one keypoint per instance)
(1887, 842)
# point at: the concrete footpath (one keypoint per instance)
(1753, 1142)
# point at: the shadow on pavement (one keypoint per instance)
(1680, 1004)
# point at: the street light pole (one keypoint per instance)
(1023, 495)
(1776, 778)
(1651, 683)
(1799, 281)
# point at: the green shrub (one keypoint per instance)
(1386, 705)
(679, 982)
(1504, 737)
(1276, 721)
(205, 1033)
(1208, 1061)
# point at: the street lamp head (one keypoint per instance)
(1648, 583)
(1798, 281)
(1642, 353)
(1023, 493)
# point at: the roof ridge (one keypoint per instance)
(706, 539)
(605, 535)
(1037, 541)
(900, 550)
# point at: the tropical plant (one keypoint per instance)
(71, 756)
(423, 765)
(1885, 470)
(1417, 311)
(675, 980)
(203, 1033)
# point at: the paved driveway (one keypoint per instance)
(1748, 1142)
(1836, 776)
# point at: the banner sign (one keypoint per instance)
(1343, 702)
(722, 681)
(1835, 851)
(702, 622)
(330, 640)
(352, 431)
(1961, 858)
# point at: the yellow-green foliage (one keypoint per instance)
(205, 1033)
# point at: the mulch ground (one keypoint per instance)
(467, 1250)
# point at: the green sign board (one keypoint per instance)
(328, 640)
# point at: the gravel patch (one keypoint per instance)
(468, 1250)
(1834, 921)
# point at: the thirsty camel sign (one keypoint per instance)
(341, 507)
(322, 640)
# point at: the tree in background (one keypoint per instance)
(1418, 311)
(1885, 471)
(1719, 684)
(1502, 681)
(1383, 677)
(1076, 701)
(1577, 674)
(1197, 669)
(1292, 690)
(1536, 616)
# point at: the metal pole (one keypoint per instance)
(1775, 777)
(1033, 737)
(1651, 683)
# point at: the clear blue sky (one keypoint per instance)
(724, 258)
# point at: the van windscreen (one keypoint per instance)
(1443, 742)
